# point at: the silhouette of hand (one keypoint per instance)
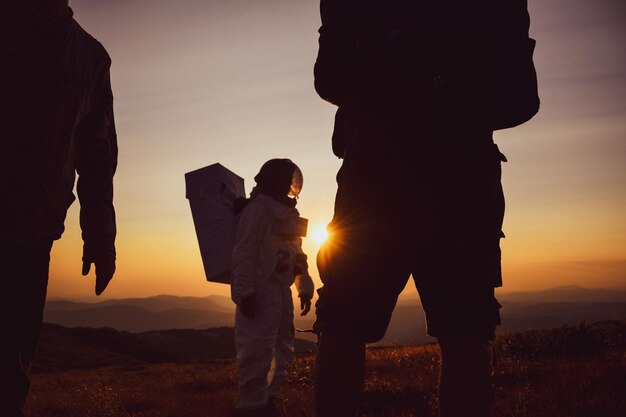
(305, 305)
(105, 268)
(247, 306)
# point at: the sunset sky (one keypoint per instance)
(204, 81)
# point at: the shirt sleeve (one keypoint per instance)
(332, 66)
(96, 162)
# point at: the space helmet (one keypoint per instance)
(280, 178)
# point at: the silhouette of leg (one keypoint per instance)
(253, 364)
(339, 375)
(14, 382)
(465, 388)
(285, 356)
(255, 340)
(23, 284)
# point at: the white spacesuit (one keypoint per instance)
(267, 260)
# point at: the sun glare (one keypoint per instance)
(320, 234)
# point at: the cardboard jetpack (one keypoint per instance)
(212, 192)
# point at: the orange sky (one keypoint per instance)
(198, 82)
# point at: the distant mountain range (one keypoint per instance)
(521, 311)
(144, 314)
(567, 293)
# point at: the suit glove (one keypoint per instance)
(247, 306)
(305, 304)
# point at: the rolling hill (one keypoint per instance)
(521, 311)
(62, 348)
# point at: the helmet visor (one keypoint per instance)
(296, 182)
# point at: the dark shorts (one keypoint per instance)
(435, 215)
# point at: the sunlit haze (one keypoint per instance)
(319, 234)
(204, 81)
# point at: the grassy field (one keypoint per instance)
(575, 371)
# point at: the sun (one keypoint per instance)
(319, 234)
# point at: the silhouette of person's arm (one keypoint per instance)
(96, 161)
(332, 66)
(335, 66)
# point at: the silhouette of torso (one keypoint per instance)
(391, 68)
(48, 87)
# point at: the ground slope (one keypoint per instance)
(570, 371)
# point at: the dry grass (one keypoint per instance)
(401, 382)
(165, 390)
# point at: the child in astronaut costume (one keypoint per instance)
(267, 260)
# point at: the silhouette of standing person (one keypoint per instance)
(419, 194)
(56, 118)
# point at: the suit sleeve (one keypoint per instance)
(304, 282)
(96, 162)
(251, 229)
